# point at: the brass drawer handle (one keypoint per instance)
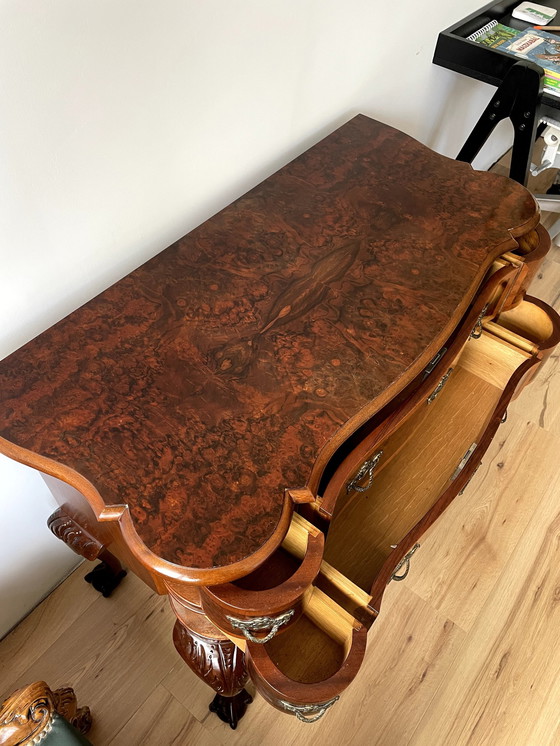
(439, 387)
(477, 329)
(259, 624)
(367, 468)
(464, 461)
(405, 562)
(309, 713)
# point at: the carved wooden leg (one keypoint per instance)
(218, 662)
(106, 576)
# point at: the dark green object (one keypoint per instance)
(64, 734)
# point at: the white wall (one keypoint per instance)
(125, 123)
(32, 560)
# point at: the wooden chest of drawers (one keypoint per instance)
(263, 420)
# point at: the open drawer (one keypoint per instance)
(301, 661)
(308, 661)
(435, 449)
(304, 670)
(267, 601)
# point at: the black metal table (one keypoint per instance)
(455, 52)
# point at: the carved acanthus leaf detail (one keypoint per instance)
(73, 535)
(220, 663)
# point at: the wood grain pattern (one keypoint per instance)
(485, 523)
(220, 373)
(514, 657)
(541, 402)
(163, 720)
(401, 494)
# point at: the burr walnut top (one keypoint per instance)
(224, 370)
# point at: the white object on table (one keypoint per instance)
(533, 13)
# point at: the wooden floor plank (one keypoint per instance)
(164, 721)
(540, 402)
(411, 649)
(505, 685)
(463, 555)
(42, 628)
(546, 282)
(113, 655)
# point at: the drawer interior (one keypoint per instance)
(285, 561)
(278, 568)
(339, 588)
(282, 565)
(432, 444)
(529, 321)
(314, 648)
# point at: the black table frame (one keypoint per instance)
(455, 52)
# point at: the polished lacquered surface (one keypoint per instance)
(206, 382)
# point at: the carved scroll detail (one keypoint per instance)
(27, 715)
(220, 663)
(73, 535)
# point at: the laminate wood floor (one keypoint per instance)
(465, 651)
